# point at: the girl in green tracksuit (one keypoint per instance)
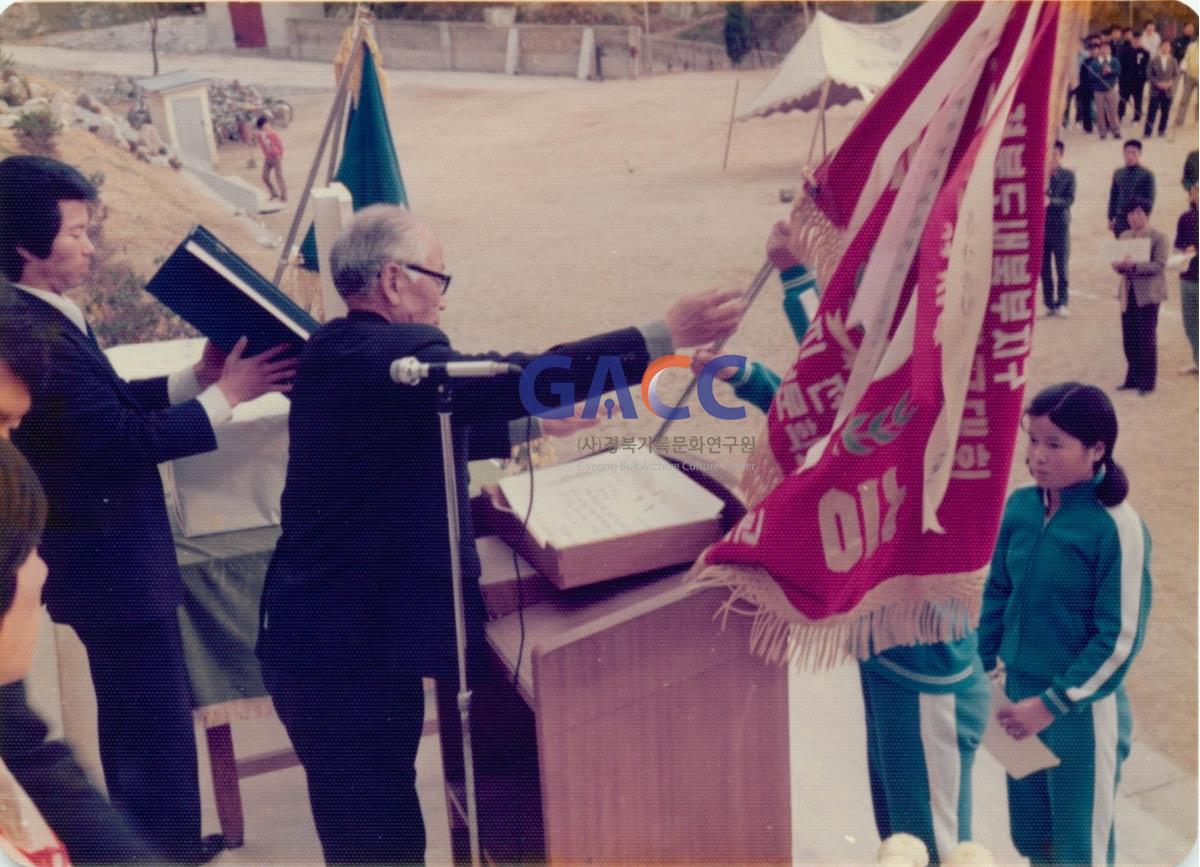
(1065, 609)
(926, 706)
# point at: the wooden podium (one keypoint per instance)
(636, 731)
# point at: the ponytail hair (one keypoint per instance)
(1086, 413)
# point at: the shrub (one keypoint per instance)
(36, 132)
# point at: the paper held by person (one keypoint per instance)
(1119, 249)
(1020, 758)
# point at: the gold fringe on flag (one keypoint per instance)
(346, 48)
(890, 615)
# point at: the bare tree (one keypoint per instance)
(154, 12)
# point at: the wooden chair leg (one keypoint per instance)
(225, 784)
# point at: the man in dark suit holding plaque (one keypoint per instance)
(95, 441)
(357, 605)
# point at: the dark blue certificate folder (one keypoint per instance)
(212, 289)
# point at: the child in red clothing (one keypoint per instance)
(272, 148)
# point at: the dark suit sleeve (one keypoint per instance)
(1112, 198)
(93, 424)
(91, 829)
(489, 440)
(500, 398)
(1069, 193)
(1146, 188)
(151, 393)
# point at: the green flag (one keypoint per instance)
(369, 168)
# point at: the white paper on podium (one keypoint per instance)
(1020, 758)
(607, 496)
(1118, 249)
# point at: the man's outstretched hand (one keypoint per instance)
(705, 318)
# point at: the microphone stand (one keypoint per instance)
(410, 371)
(445, 394)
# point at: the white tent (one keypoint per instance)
(836, 62)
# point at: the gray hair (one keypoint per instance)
(377, 235)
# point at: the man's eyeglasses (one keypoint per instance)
(444, 279)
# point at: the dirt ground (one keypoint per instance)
(568, 207)
(575, 207)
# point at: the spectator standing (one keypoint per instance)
(1181, 42)
(1132, 181)
(1083, 93)
(1150, 38)
(1106, 71)
(1191, 170)
(1185, 242)
(1134, 60)
(1189, 73)
(1143, 288)
(1056, 242)
(272, 150)
(1163, 73)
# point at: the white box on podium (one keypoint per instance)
(236, 487)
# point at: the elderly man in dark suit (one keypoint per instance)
(357, 605)
(95, 441)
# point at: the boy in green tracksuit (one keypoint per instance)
(926, 706)
(1065, 608)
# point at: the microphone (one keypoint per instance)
(410, 371)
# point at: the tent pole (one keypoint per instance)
(338, 103)
(732, 111)
(820, 119)
(824, 141)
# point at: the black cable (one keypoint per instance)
(516, 565)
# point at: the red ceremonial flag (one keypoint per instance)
(876, 501)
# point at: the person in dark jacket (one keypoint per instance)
(1185, 242)
(92, 831)
(1134, 60)
(357, 603)
(1132, 181)
(1179, 45)
(95, 441)
(1056, 244)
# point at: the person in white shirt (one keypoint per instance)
(95, 441)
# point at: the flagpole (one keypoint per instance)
(748, 296)
(338, 104)
(732, 111)
(333, 148)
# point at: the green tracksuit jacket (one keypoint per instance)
(1065, 607)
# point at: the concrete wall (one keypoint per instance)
(298, 31)
(678, 55)
(220, 26)
(477, 47)
(544, 49)
(277, 15)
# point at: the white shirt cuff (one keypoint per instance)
(216, 405)
(182, 386)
